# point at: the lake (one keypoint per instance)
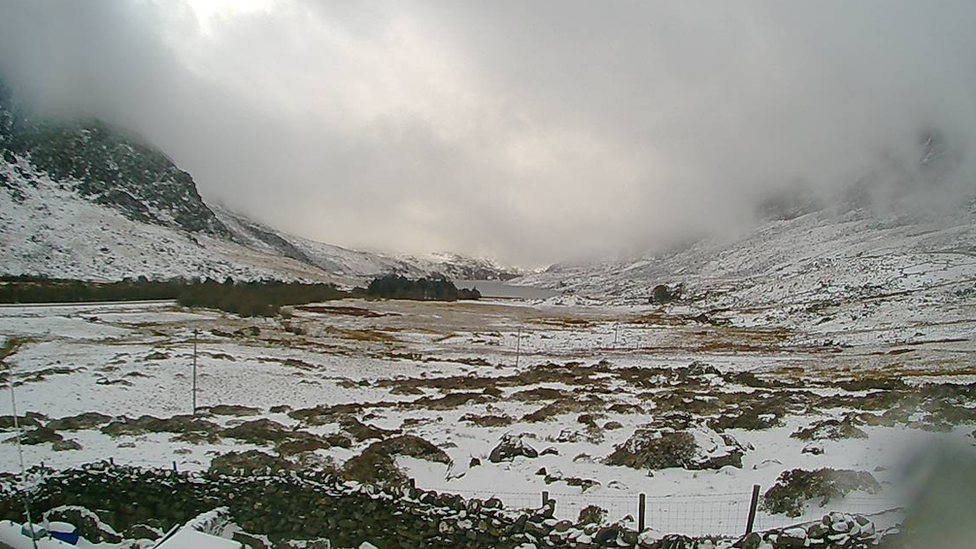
(498, 289)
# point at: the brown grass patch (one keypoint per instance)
(343, 310)
(362, 335)
(562, 322)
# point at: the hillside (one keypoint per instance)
(891, 259)
(83, 199)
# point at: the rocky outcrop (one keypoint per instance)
(692, 449)
(511, 447)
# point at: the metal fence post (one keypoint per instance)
(753, 503)
(195, 334)
(641, 508)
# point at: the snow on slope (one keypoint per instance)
(52, 231)
(353, 264)
(859, 274)
(47, 228)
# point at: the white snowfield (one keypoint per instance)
(393, 370)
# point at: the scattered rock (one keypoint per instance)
(66, 445)
(813, 449)
(510, 447)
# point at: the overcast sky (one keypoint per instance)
(529, 130)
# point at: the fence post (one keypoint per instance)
(641, 508)
(753, 503)
(518, 346)
(111, 461)
(545, 497)
(174, 466)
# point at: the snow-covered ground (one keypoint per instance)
(579, 384)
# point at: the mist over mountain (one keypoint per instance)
(430, 126)
(82, 198)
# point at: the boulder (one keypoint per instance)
(510, 447)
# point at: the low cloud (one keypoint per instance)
(530, 131)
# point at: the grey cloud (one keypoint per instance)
(531, 131)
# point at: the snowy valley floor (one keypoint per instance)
(596, 391)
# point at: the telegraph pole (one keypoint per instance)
(20, 453)
(518, 346)
(195, 333)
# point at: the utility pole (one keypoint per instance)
(195, 333)
(20, 452)
(518, 346)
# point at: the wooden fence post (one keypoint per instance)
(641, 509)
(545, 497)
(753, 503)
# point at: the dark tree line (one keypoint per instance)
(261, 298)
(393, 286)
(30, 289)
(258, 298)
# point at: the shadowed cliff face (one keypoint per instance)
(106, 165)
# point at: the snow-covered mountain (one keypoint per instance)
(883, 262)
(353, 264)
(82, 199)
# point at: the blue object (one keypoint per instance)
(67, 537)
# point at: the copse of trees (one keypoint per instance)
(393, 286)
(261, 298)
(258, 298)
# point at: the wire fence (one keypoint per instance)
(720, 514)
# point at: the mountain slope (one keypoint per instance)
(892, 260)
(82, 199)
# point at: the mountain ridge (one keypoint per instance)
(87, 200)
